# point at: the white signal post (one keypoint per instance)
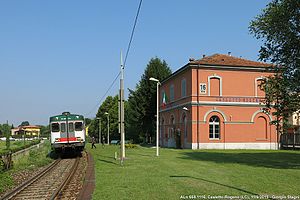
(157, 113)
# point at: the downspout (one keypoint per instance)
(198, 107)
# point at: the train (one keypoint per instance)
(67, 131)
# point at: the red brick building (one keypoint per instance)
(216, 103)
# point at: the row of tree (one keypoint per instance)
(140, 109)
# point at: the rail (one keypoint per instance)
(48, 184)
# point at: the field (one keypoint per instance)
(196, 174)
(13, 144)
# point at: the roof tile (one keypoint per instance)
(221, 59)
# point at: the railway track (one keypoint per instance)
(50, 183)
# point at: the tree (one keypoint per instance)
(87, 121)
(141, 108)
(25, 123)
(45, 131)
(110, 106)
(279, 28)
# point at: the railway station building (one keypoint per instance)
(216, 103)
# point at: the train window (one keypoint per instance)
(78, 126)
(54, 127)
(63, 127)
(71, 127)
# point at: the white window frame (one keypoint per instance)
(256, 85)
(214, 128)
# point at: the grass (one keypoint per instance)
(13, 145)
(35, 159)
(176, 174)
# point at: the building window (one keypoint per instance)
(262, 128)
(215, 86)
(183, 88)
(259, 89)
(172, 93)
(214, 127)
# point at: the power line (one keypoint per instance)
(98, 104)
(127, 52)
(132, 32)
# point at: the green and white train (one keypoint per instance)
(67, 132)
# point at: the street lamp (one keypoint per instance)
(157, 114)
(99, 118)
(106, 113)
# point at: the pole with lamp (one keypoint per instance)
(157, 113)
(99, 118)
(106, 113)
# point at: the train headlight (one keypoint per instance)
(79, 139)
(57, 139)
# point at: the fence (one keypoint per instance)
(290, 140)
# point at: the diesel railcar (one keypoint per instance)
(67, 132)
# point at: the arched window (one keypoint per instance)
(214, 127)
(172, 127)
(172, 95)
(162, 131)
(259, 90)
(185, 126)
(183, 88)
(215, 85)
(262, 127)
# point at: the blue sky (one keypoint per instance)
(60, 56)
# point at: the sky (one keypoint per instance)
(58, 56)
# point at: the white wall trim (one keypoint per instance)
(246, 145)
(255, 84)
(257, 112)
(215, 110)
(208, 85)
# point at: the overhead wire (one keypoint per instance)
(125, 60)
(132, 32)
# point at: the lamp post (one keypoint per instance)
(99, 129)
(106, 113)
(157, 114)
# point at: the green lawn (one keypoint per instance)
(176, 174)
(13, 144)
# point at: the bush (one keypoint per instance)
(131, 146)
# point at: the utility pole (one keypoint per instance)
(121, 112)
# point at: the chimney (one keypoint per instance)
(229, 53)
(203, 56)
(192, 59)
